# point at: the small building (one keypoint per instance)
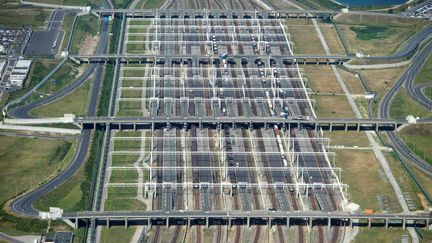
(19, 73)
(2, 67)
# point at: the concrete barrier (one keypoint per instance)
(47, 5)
(377, 66)
(40, 129)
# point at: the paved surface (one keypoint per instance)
(47, 42)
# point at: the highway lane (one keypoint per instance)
(23, 205)
(406, 79)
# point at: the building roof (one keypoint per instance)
(23, 64)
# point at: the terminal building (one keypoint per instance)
(19, 74)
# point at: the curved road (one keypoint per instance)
(23, 205)
(417, 91)
(406, 79)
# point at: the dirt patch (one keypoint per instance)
(89, 45)
(423, 200)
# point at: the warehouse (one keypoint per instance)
(19, 73)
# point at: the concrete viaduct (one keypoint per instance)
(260, 217)
(135, 123)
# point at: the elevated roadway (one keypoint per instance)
(262, 14)
(245, 217)
(347, 124)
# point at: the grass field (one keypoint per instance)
(88, 25)
(428, 92)
(403, 106)
(332, 106)
(361, 173)
(72, 2)
(330, 35)
(376, 35)
(381, 81)
(305, 38)
(419, 139)
(425, 74)
(349, 139)
(352, 81)
(321, 79)
(73, 103)
(380, 235)
(406, 184)
(32, 160)
(117, 234)
(10, 15)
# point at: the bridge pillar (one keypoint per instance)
(94, 125)
(108, 223)
(167, 222)
(376, 127)
(331, 126)
(329, 223)
(404, 224)
(229, 222)
(369, 223)
(269, 223)
(316, 126)
(288, 222)
(310, 222)
(358, 127)
(351, 222)
(346, 127)
(126, 222)
(207, 221)
(386, 223)
(427, 223)
(120, 126)
(76, 225)
(134, 126)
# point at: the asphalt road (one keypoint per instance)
(23, 205)
(406, 79)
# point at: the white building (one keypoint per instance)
(19, 73)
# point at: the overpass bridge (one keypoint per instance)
(161, 58)
(346, 124)
(234, 14)
(256, 217)
(136, 123)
